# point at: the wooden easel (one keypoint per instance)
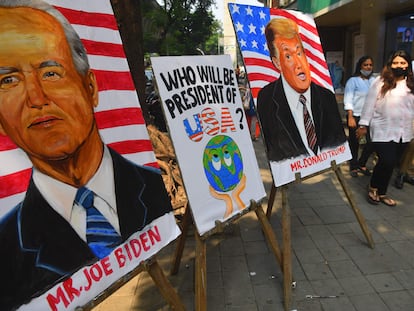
(286, 226)
(200, 282)
(154, 270)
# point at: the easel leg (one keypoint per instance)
(270, 235)
(272, 197)
(287, 251)
(181, 241)
(352, 202)
(165, 287)
(200, 275)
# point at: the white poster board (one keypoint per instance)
(284, 131)
(208, 128)
(46, 263)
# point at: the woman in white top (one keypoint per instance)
(356, 89)
(389, 112)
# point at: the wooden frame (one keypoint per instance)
(200, 281)
(286, 226)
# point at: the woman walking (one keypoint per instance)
(389, 112)
(356, 90)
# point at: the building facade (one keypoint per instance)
(352, 28)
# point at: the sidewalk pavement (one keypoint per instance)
(330, 255)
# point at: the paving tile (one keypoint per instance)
(405, 278)
(302, 289)
(348, 239)
(384, 282)
(231, 246)
(398, 301)
(334, 254)
(263, 268)
(381, 259)
(328, 287)
(344, 268)
(368, 302)
(339, 228)
(309, 255)
(356, 285)
(335, 214)
(337, 304)
(268, 296)
(317, 271)
(309, 305)
(215, 298)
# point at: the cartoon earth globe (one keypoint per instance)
(223, 164)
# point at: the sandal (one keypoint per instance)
(363, 170)
(354, 173)
(387, 200)
(373, 196)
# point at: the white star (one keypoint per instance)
(262, 15)
(249, 11)
(262, 29)
(252, 28)
(239, 27)
(243, 43)
(265, 47)
(254, 44)
(236, 9)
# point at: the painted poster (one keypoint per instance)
(293, 92)
(82, 201)
(208, 128)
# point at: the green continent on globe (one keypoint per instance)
(223, 164)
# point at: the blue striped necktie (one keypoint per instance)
(101, 236)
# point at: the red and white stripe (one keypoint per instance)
(118, 114)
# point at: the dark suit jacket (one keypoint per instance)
(280, 132)
(40, 248)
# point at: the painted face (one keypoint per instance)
(292, 63)
(46, 107)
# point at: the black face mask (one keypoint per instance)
(399, 72)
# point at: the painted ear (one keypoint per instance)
(276, 62)
(2, 131)
(93, 87)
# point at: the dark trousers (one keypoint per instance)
(367, 150)
(389, 155)
(406, 166)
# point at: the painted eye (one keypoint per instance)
(51, 76)
(216, 162)
(227, 158)
(8, 82)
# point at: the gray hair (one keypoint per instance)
(79, 56)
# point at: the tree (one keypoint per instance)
(212, 45)
(128, 16)
(179, 27)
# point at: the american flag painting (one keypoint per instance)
(118, 114)
(249, 24)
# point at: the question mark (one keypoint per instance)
(241, 117)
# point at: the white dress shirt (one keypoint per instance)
(390, 117)
(61, 196)
(356, 89)
(296, 107)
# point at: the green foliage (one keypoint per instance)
(179, 27)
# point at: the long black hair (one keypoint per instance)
(358, 65)
(390, 80)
